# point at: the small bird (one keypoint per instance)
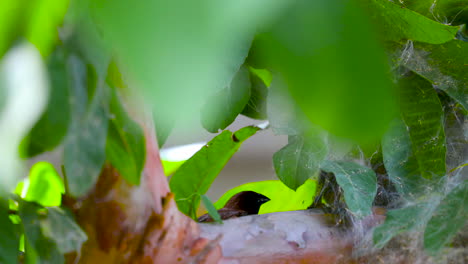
(243, 203)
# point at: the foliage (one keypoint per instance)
(387, 78)
(195, 176)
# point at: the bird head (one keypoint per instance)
(248, 201)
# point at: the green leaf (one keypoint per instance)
(45, 186)
(399, 160)
(359, 184)
(9, 242)
(339, 80)
(423, 115)
(444, 65)
(397, 23)
(452, 12)
(52, 127)
(300, 159)
(44, 19)
(172, 158)
(222, 109)
(9, 20)
(211, 209)
(38, 248)
(256, 106)
(85, 146)
(456, 127)
(125, 147)
(179, 66)
(282, 198)
(195, 176)
(170, 167)
(411, 218)
(63, 230)
(449, 217)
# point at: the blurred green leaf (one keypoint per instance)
(44, 20)
(9, 242)
(300, 159)
(284, 115)
(211, 209)
(282, 198)
(359, 184)
(49, 131)
(450, 12)
(125, 147)
(45, 186)
(264, 75)
(222, 109)
(196, 175)
(85, 146)
(400, 162)
(256, 106)
(423, 115)
(10, 19)
(38, 248)
(182, 64)
(398, 23)
(449, 217)
(63, 230)
(411, 218)
(163, 127)
(339, 79)
(445, 66)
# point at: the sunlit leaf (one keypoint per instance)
(62, 229)
(125, 147)
(197, 174)
(44, 185)
(339, 79)
(44, 20)
(423, 115)
(49, 131)
(398, 23)
(84, 152)
(211, 209)
(359, 184)
(9, 242)
(170, 167)
(10, 19)
(300, 159)
(282, 198)
(222, 109)
(449, 216)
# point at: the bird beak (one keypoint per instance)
(264, 199)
